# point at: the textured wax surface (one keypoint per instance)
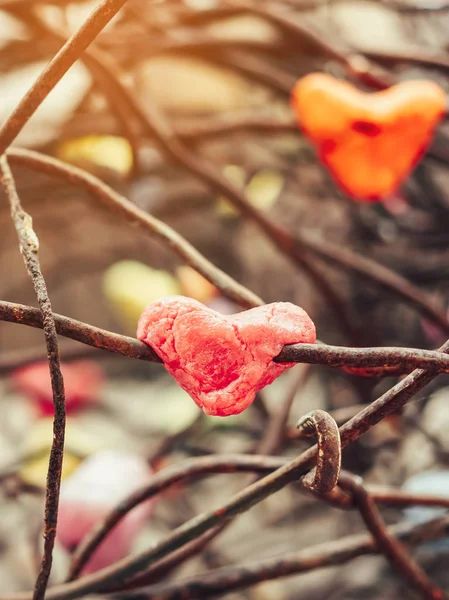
(222, 360)
(369, 141)
(97, 486)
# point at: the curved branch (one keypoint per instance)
(370, 270)
(275, 430)
(121, 205)
(185, 472)
(356, 65)
(387, 544)
(195, 467)
(56, 69)
(390, 402)
(191, 469)
(323, 555)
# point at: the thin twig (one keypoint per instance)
(275, 432)
(392, 548)
(426, 58)
(356, 65)
(186, 471)
(402, 359)
(121, 205)
(430, 6)
(56, 69)
(163, 567)
(234, 123)
(29, 246)
(370, 270)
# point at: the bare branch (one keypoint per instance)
(29, 245)
(56, 69)
(388, 403)
(121, 205)
(383, 360)
(392, 548)
(328, 554)
(187, 471)
(81, 332)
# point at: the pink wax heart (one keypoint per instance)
(222, 360)
(82, 382)
(91, 492)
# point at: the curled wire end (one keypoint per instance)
(325, 476)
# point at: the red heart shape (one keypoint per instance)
(369, 141)
(82, 382)
(222, 360)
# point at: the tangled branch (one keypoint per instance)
(324, 555)
(320, 464)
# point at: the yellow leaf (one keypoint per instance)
(37, 445)
(264, 189)
(40, 438)
(108, 151)
(34, 471)
(130, 285)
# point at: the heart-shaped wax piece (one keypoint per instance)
(82, 382)
(222, 360)
(99, 484)
(369, 141)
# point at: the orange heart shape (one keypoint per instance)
(370, 142)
